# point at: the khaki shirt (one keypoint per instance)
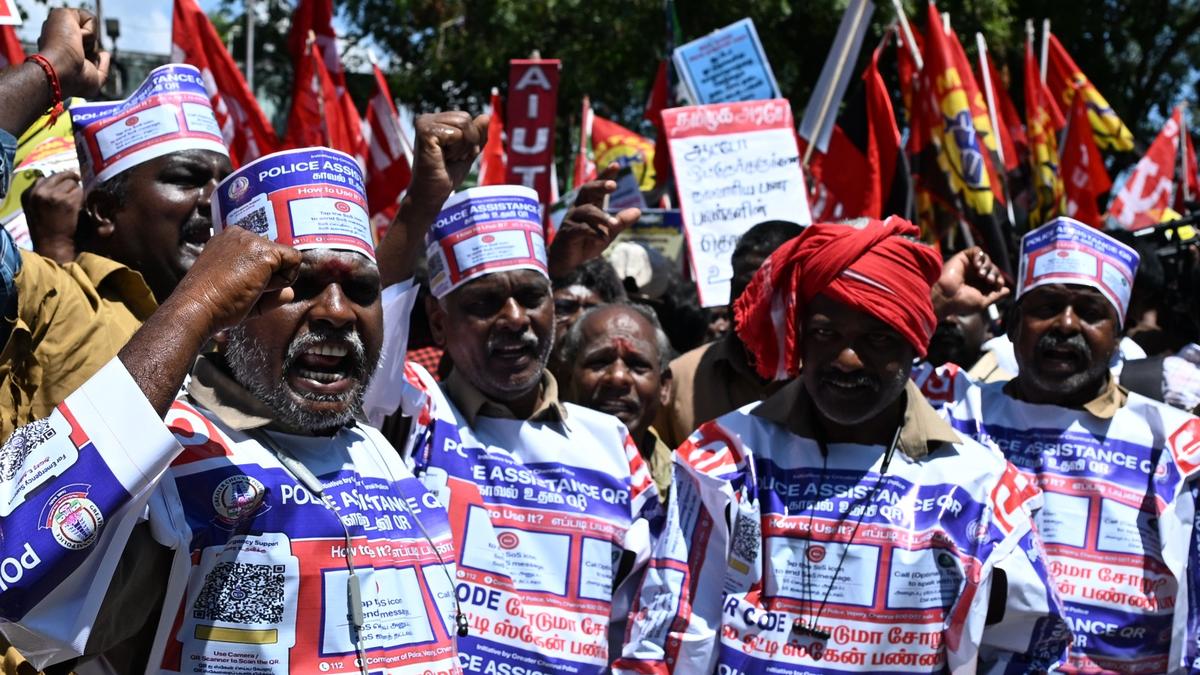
(71, 320)
(1104, 406)
(922, 432)
(710, 380)
(659, 457)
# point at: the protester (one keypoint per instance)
(549, 502)
(67, 321)
(592, 284)
(1118, 470)
(833, 552)
(619, 362)
(718, 377)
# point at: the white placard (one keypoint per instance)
(736, 165)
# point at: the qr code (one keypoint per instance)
(23, 441)
(237, 592)
(747, 538)
(256, 221)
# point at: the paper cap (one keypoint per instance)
(307, 198)
(1066, 251)
(169, 112)
(485, 230)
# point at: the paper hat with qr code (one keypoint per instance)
(306, 198)
(169, 112)
(484, 230)
(1066, 251)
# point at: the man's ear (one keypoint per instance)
(101, 208)
(437, 320)
(666, 388)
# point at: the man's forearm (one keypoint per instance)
(161, 352)
(27, 96)
(401, 246)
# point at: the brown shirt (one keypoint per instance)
(709, 381)
(71, 320)
(922, 432)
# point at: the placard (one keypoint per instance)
(726, 66)
(736, 165)
(532, 105)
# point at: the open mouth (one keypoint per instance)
(193, 237)
(617, 406)
(1062, 359)
(513, 354)
(324, 368)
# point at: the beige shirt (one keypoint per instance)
(922, 432)
(710, 380)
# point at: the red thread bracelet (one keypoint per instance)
(57, 108)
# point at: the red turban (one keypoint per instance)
(872, 268)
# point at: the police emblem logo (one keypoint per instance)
(237, 498)
(73, 519)
(238, 188)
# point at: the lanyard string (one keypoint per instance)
(813, 629)
(353, 585)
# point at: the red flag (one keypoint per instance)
(11, 51)
(493, 164)
(855, 176)
(316, 115)
(388, 170)
(317, 16)
(658, 102)
(1064, 79)
(1083, 176)
(1011, 133)
(585, 163)
(245, 128)
(1146, 194)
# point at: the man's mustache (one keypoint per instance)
(1075, 343)
(836, 377)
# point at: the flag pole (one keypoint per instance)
(827, 99)
(1045, 46)
(990, 93)
(250, 45)
(1183, 167)
(908, 35)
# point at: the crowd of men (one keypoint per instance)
(223, 453)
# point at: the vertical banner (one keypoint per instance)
(532, 105)
(736, 165)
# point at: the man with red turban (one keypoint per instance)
(841, 525)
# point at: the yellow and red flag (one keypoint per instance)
(1040, 125)
(1065, 78)
(612, 142)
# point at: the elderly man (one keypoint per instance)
(549, 502)
(619, 360)
(261, 528)
(841, 525)
(1118, 470)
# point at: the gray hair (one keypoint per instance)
(573, 341)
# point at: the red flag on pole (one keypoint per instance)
(493, 164)
(11, 51)
(317, 16)
(1011, 133)
(1146, 194)
(585, 163)
(245, 128)
(316, 115)
(1065, 79)
(1082, 169)
(659, 101)
(388, 156)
